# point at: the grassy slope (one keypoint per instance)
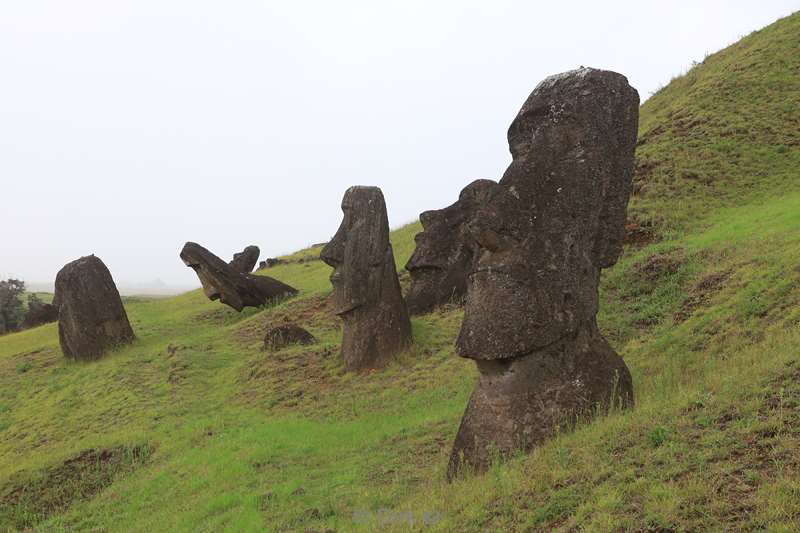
(708, 319)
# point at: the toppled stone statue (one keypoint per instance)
(444, 254)
(365, 286)
(287, 334)
(245, 261)
(223, 283)
(556, 218)
(91, 318)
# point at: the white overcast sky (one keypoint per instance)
(130, 127)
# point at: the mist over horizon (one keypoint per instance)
(129, 129)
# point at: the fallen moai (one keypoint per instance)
(366, 289)
(91, 318)
(555, 220)
(235, 289)
(444, 253)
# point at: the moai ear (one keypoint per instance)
(611, 227)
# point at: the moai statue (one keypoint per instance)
(91, 318)
(233, 288)
(245, 261)
(444, 254)
(366, 290)
(555, 220)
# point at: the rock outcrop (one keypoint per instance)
(270, 262)
(555, 220)
(366, 289)
(282, 336)
(233, 288)
(444, 253)
(245, 261)
(91, 318)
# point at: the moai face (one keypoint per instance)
(207, 266)
(359, 251)
(366, 291)
(443, 256)
(555, 219)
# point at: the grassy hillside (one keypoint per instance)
(193, 427)
(725, 133)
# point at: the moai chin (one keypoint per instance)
(443, 257)
(366, 290)
(554, 221)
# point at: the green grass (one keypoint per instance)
(236, 439)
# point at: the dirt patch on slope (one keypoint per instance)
(314, 311)
(30, 498)
(701, 293)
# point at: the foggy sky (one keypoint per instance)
(130, 127)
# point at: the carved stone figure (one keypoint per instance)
(233, 288)
(444, 254)
(91, 318)
(245, 261)
(555, 220)
(365, 286)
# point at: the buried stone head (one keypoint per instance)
(554, 221)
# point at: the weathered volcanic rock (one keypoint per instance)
(91, 318)
(365, 286)
(287, 334)
(555, 220)
(270, 262)
(245, 261)
(444, 254)
(38, 315)
(223, 283)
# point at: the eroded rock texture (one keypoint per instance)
(444, 253)
(91, 318)
(235, 289)
(366, 289)
(245, 261)
(556, 218)
(286, 334)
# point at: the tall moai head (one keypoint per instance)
(553, 222)
(91, 318)
(556, 218)
(444, 253)
(366, 290)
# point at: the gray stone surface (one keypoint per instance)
(555, 220)
(91, 318)
(366, 289)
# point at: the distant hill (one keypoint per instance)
(155, 287)
(195, 428)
